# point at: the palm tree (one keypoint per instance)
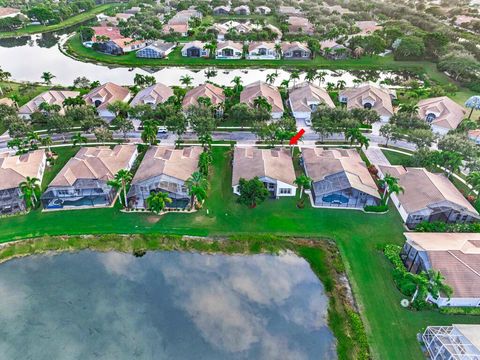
(261, 102)
(391, 186)
(149, 133)
(304, 182)
(78, 138)
(311, 75)
(408, 108)
(271, 78)
(321, 77)
(295, 75)
(30, 188)
(120, 181)
(473, 103)
(278, 49)
(285, 83)
(47, 77)
(341, 84)
(186, 80)
(330, 86)
(74, 101)
(157, 201)
(237, 80)
(474, 180)
(46, 142)
(197, 186)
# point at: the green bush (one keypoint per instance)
(460, 310)
(443, 227)
(376, 208)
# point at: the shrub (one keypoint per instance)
(438, 226)
(376, 208)
(460, 310)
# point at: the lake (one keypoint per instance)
(164, 305)
(26, 58)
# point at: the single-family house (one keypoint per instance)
(14, 169)
(336, 9)
(164, 169)
(455, 255)
(369, 97)
(133, 10)
(300, 25)
(8, 12)
(333, 50)
(289, 10)
(229, 50)
(156, 50)
(442, 113)
(195, 49)
(242, 10)
(461, 20)
(105, 33)
(221, 10)
(296, 50)
(305, 98)
(267, 91)
(180, 28)
(207, 90)
(452, 342)
(263, 10)
(123, 16)
(273, 167)
(428, 197)
(83, 181)
(106, 94)
(51, 97)
(152, 95)
(367, 27)
(262, 51)
(340, 178)
(121, 46)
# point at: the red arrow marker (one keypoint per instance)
(294, 139)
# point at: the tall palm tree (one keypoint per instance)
(120, 181)
(157, 201)
(285, 83)
(237, 81)
(391, 186)
(78, 138)
(30, 188)
(321, 77)
(47, 77)
(149, 133)
(186, 80)
(294, 76)
(311, 75)
(47, 142)
(304, 182)
(197, 186)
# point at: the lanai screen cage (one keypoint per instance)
(457, 342)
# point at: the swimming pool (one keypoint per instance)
(335, 198)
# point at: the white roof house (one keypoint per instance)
(51, 97)
(442, 113)
(305, 98)
(269, 92)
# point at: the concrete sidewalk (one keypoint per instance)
(376, 156)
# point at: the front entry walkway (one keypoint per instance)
(376, 156)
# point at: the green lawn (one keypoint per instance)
(391, 329)
(64, 154)
(74, 20)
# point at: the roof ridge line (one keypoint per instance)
(465, 264)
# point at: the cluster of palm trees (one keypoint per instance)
(30, 189)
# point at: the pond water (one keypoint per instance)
(26, 58)
(164, 305)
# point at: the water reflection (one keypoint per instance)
(162, 306)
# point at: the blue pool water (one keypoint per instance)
(335, 198)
